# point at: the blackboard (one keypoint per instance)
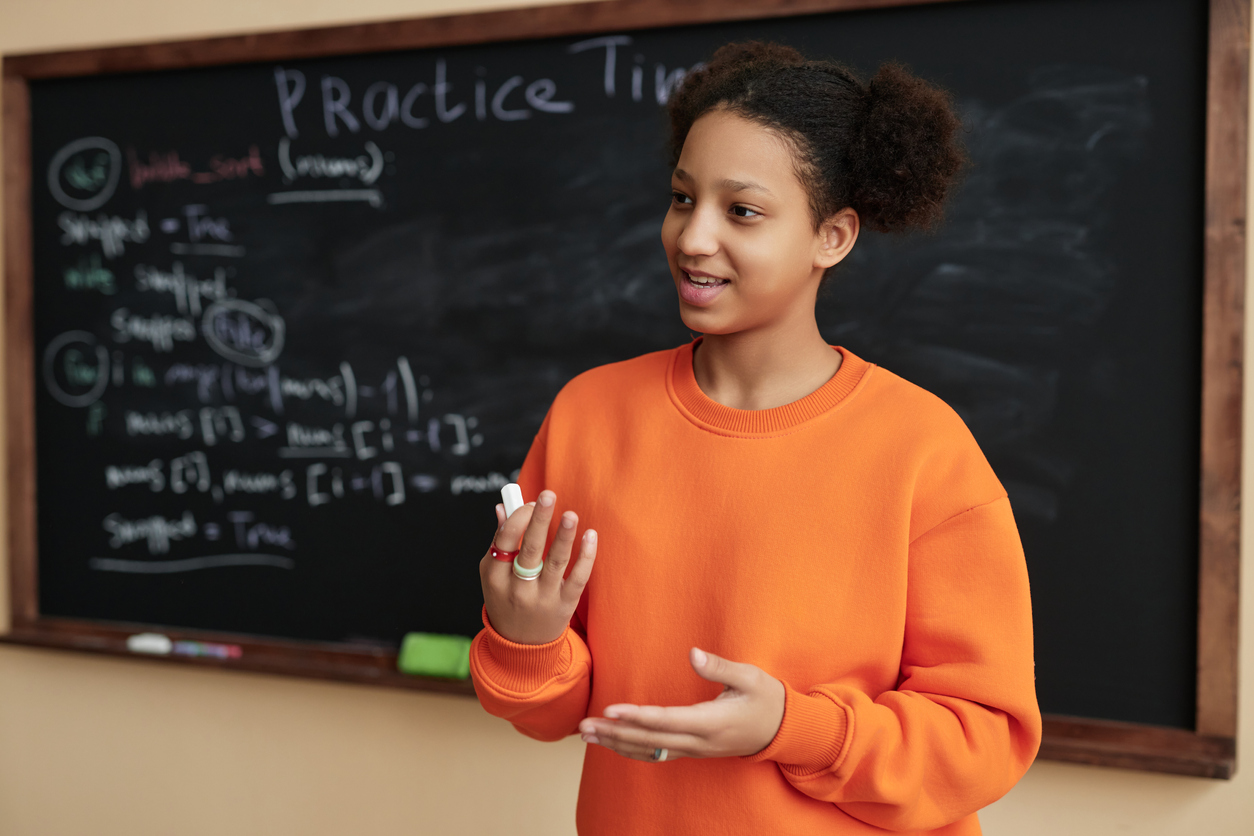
(293, 322)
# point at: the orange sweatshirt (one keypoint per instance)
(855, 544)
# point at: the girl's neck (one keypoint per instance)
(763, 369)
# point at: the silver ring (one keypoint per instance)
(659, 755)
(527, 574)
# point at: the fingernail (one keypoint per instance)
(611, 713)
(568, 520)
(699, 656)
(546, 498)
(590, 738)
(591, 536)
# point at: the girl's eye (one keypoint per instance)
(745, 212)
(680, 198)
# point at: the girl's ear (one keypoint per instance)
(836, 238)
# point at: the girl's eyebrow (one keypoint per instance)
(730, 185)
(741, 186)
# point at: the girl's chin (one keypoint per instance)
(704, 321)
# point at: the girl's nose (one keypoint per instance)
(699, 235)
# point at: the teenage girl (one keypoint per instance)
(809, 610)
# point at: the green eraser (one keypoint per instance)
(433, 654)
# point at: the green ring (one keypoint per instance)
(527, 574)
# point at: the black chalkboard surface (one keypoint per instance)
(297, 321)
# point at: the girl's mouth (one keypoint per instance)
(700, 290)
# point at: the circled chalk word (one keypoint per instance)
(78, 375)
(243, 332)
(90, 167)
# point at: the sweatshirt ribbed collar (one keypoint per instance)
(701, 410)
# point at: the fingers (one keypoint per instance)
(633, 751)
(633, 742)
(698, 719)
(510, 534)
(537, 530)
(572, 588)
(527, 529)
(559, 552)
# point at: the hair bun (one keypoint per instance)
(889, 150)
(907, 154)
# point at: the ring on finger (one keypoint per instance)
(502, 555)
(525, 574)
(660, 755)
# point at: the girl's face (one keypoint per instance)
(739, 236)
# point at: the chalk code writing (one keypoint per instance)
(190, 378)
(319, 462)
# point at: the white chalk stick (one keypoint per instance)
(511, 495)
(154, 643)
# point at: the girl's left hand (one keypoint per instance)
(743, 720)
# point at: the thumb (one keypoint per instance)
(717, 669)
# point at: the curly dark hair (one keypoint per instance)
(889, 149)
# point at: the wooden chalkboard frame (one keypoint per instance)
(1209, 751)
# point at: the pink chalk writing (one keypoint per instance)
(168, 166)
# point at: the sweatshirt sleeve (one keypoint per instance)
(962, 726)
(543, 689)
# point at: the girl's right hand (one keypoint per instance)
(538, 611)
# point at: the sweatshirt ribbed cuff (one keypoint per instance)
(519, 668)
(811, 736)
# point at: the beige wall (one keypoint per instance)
(104, 746)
